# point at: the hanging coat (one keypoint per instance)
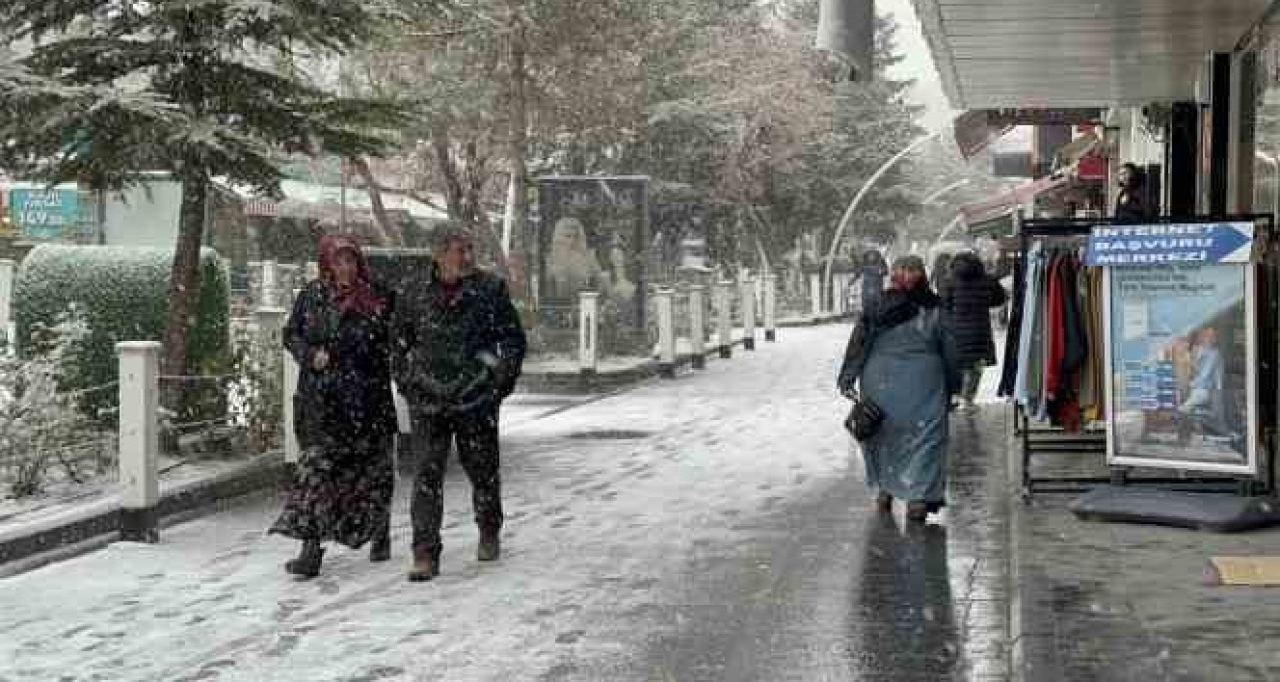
(905, 363)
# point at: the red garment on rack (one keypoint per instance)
(1055, 336)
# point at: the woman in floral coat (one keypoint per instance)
(344, 414)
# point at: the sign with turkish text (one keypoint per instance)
(1188, 243)
(44, 213)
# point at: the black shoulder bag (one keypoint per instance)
(865, 417)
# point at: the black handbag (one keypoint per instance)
(864, 418)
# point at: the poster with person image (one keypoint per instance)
(1179, 361)
(593, 236)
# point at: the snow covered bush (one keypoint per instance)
(257, 390)
(123, 293)
(40, 423)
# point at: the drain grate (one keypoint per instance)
(609, 435)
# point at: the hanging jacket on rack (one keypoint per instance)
(1009, 367)
(1027, 337)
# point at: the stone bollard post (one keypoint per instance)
(292, 450)
(270, 285)
(312, 271)
(815, 294)
(139, 443)
(698, 326)
(588, 331)
(749, 314)
(7, 271)
(270, 326)
(770, 307)
(663, 301)
(724, 322)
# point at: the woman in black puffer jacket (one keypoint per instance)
(968, 299)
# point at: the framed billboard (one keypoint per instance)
(1181, 345)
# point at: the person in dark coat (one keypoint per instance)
(1130, 205)
(901, 357)
(458, 352)
(873, 272)
(968, 299)
(344, 412)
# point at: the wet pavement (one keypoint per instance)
(713, 527)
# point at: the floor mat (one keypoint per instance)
(1251, 571)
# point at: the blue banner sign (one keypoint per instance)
(1186, 243)
(44, 213)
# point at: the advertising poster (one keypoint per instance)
(44, 213)
(594, 236)
(1179, 348)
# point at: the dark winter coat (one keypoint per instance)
(351, 398)
(968, 298)
(461, 354)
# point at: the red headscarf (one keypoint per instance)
(359, 297)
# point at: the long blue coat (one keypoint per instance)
(910, 371)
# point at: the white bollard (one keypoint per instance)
(292, 450)
(312, 271)
(663, 301)
(698, 326)
(270, 325)
(724, 321)
(139, 434)
(588, 331)
(749, 314)
(770, 307)
(815, 294)
(7, 270)
(270, 282)
(837, 294)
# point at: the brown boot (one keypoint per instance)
(918, 512)
(380, 546)
(884, 502)
(489, 547)
(426, 564)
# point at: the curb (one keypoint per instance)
(572, 383)
(99, 524)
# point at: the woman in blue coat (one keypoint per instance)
(901, 357)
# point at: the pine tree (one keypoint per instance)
(113, 88)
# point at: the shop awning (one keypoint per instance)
(1002, 205)
(1037, 54)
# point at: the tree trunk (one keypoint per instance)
(184, 277)
(521, 269)
(384, 230)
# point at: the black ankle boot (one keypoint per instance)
(307, 565)
(489, 547)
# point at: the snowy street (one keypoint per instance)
(714, 527)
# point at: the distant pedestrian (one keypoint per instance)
(873, 271)
(459, 348)
(1131, 206)
(344, 412)
(901, 357)
(940, 274)
(968, 301)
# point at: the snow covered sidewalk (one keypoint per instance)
(606, 502)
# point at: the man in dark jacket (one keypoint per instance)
(968, 299)
(458, 349)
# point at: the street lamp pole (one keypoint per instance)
(857, 199)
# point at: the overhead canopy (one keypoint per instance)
(1076, 53)
(1002, 205)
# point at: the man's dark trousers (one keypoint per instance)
(476, 433)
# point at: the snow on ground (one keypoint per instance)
(596, 528)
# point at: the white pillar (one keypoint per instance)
(815, 293)
(770, 307)
(724, 320)
(663, 301)
(7, 270)
(698, 325)
(837, 294)
(139, 434)
(270, 324)
(313, 271)
(749, 314)
(588, 331)
(270, 283)
(292, 451)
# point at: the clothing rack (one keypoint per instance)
(1037, 440)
